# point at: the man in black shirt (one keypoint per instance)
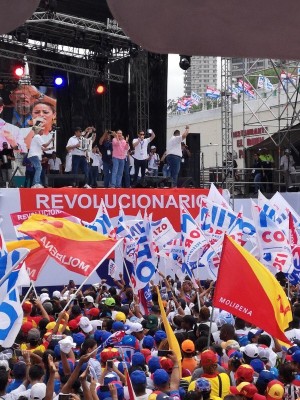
(6, 157)
(105, 147)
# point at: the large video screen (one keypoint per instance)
(22, 107)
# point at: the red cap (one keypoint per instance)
(208, 357)
(244, 373)
(94, 312)
(166, 364)
(146, 352)
(26, 326)
(73, 324)
(27, 307)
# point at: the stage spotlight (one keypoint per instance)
(59, 81)
(19, 70)
(100, 88)
(185, 62)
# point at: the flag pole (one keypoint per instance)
(210, 325)
(99, 263)
(124, 264)
(27, 293)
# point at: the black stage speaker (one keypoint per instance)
(193, 142)
(185, 182)
(61, 180)
(154, 182)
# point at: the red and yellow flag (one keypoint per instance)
(36, 259)
(77, 248)
(248, 290)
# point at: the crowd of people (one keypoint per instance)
(99, 344)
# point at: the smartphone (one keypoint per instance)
(38, 123)
(164, 353)
(64, 396)
(104, 388)
(109, 364)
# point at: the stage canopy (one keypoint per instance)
(232, 28)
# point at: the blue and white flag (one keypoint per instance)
(102, 223)
(196, 98)
(11, 313)
(3, 249)
(264, 83)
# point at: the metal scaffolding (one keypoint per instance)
(227, 125)
(140, 80)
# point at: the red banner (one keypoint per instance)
(84, 203)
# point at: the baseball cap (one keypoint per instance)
(33, 334)
(138, 378)
(120, 316)
(26, 326)
(152, 147)
(19, 370)
(79, 338)
(44, 297)
(4, 364)
(187, 346)
(245, 373)
(208, 357)
(110, 377)
(101, 336)
(257, 365)
(203, 385)
(77, 128)
(245, 389)
(152, 322)
(110, 302)
(159, 336)
(254, 332)
(230, 344)
(296, 356)
(88, 299)
(138, 359)
(44, 290)
(153, 364)
(275, 390)
(264, 353)
(27, 307)
(85, 325)
(148, 342)
(251, 350)
(94, 312)
(118, 326)
(66, 344)
(56, 294)
(73, 324)
(38, 391)
(109, 353)
(134, 328)
(224, 317)
(160, 377)
(264, 377)
(167, 364)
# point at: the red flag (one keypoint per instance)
(77, 248)
(129, 385)
(248, 290)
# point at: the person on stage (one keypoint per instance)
(140, 146)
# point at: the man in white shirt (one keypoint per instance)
(153, 162)
(287, 163)
(174, 153)
(140, 156)
(79, 161)
(54, 164)
(96, 162)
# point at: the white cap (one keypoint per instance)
(56, 294)
(88, 299)
(4, 363)
(134, 327)
(251, 350)
(66, 344)
(85, 325)
(38, 391)
(152, 147)
(44, 297)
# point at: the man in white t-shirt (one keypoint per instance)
(140, 156)
(54, 164)
(79, 152)
(174, 153)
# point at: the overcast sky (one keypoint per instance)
(175, 77)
